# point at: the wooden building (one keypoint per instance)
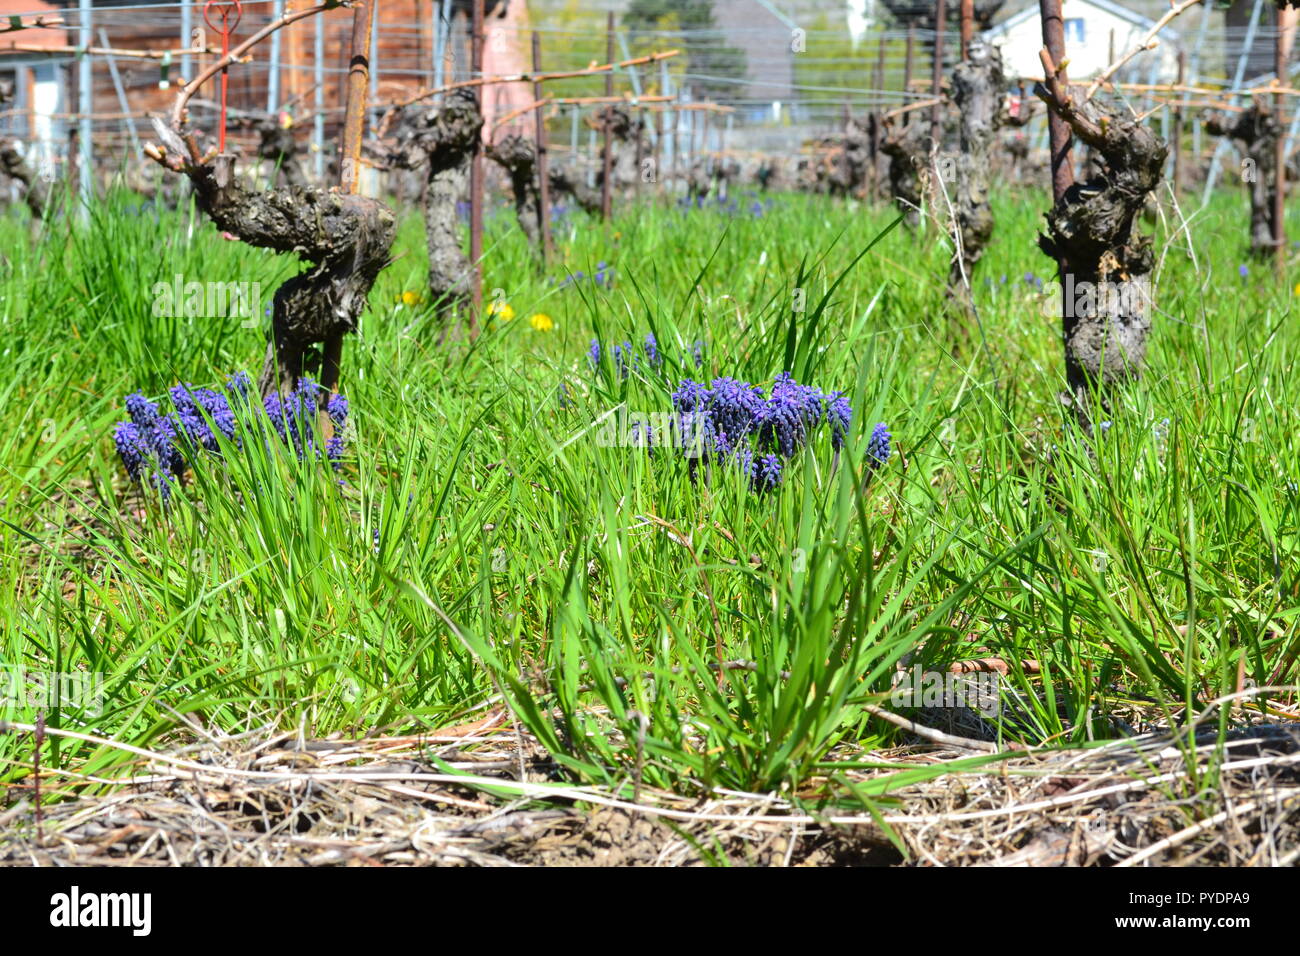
(284, 75)
(33, 81)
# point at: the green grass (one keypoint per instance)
(597, 587)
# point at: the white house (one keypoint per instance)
(1096, 31)
(37, 84)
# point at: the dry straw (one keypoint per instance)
(456, 797)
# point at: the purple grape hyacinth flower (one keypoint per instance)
(131, 448)
(734, 406)
(147, 444)
(768, 474)
(878, 448)
(337, 409)
(641, 435)
(195, 407)
(153, 447)
(295, 415)
(646, 356)
(239, 385)
(142, 411)
(792, 410)
(840, 414)
(603, 276)
(623, 359)
(743, 459)
(690, 396)
(144, 459)
(731, 420)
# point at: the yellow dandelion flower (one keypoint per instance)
(542, 322)
(1296, 290)
(502, 310)
(410, 298)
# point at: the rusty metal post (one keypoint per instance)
(1177, 144)
(878, 81)
(606, 187)
(706, 156)
(476, 176)
(543, 180)
(907, 70)
(1059, 135)
(640, 152)
(354, 119)
(936, 79)
(967, 26)
(658, 151)
(354, 116)
(1281, 55)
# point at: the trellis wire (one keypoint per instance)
(417, 53)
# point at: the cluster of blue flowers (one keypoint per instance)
(748, 206)
(157, 447)
(878, 446)
(147, 444)
(603, 276)
(627, 358)
(733, 421)
(294, 419)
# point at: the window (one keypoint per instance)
(1075, 31)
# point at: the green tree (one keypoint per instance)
(689, 24)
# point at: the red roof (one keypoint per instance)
(35, 37)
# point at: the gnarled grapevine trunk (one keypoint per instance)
(344, 237)
(441, 141)
(1104, 264)
(699, 182)
(569, 178)
(36, 190)
(277, 144)
(623, 127)
(518, 157)
(1255, 133)
(977, 90)
(906, 149)
(842, 170)
(921, 15)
